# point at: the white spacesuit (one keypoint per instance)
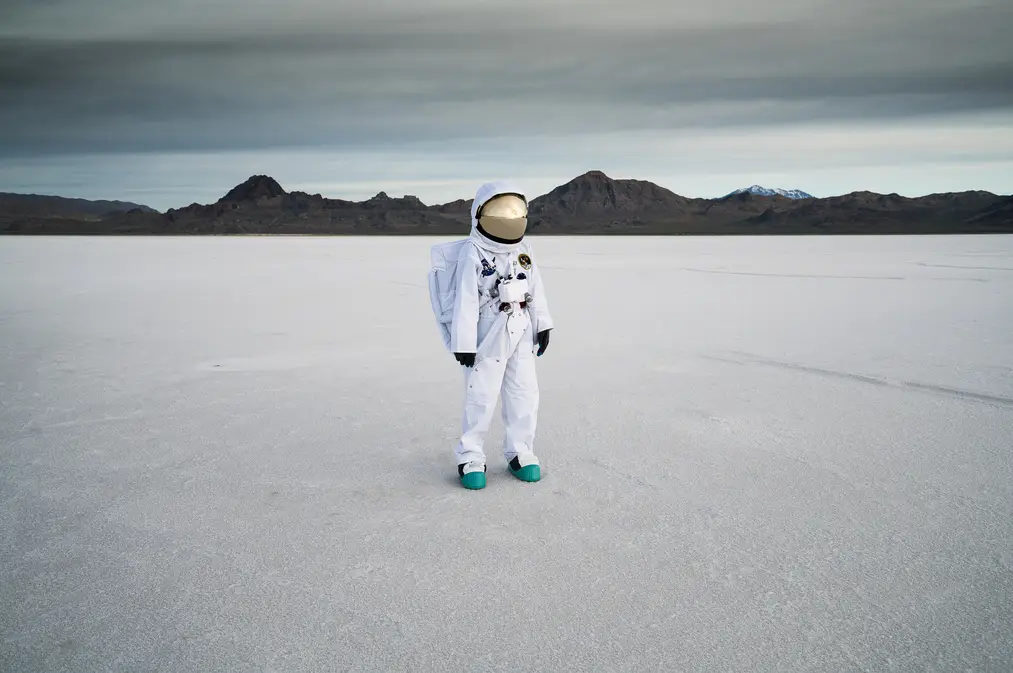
(500, 317)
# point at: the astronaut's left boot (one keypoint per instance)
(525, 468)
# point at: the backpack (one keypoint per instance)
(443, 259)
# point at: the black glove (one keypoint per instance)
(543, 341)
(466, 359)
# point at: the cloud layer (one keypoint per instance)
(112, 76)
(175, 101)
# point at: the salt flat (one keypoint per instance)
(759, 454)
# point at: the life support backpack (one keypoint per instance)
(443, 258)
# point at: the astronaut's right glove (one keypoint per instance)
(466, 359)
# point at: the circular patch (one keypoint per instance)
(525, 260)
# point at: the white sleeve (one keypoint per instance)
(542, 317)
(464, 328)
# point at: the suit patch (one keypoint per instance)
(525, 260)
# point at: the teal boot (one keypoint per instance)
(472, 475)
(528, 472)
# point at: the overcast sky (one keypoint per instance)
(176, 101)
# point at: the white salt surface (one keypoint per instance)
(760, 454)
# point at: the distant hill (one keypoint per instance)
(40, 213)
(596, 199)
(765, 191)
(592, 203)
(58, 206)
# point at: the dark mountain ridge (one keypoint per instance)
(592, 203)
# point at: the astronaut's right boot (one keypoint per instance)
(472, 475)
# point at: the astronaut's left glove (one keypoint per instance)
(543, 341)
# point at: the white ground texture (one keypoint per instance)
(759, 454)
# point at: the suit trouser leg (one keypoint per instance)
(481, 392)
(520, 400)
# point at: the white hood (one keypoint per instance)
(482, 196)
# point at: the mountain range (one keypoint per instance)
(592, 203)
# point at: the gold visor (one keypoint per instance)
(506, 228)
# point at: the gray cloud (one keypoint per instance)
(112, 75)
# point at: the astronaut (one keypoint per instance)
(500, 318)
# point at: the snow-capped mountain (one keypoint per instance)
(764, 191)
